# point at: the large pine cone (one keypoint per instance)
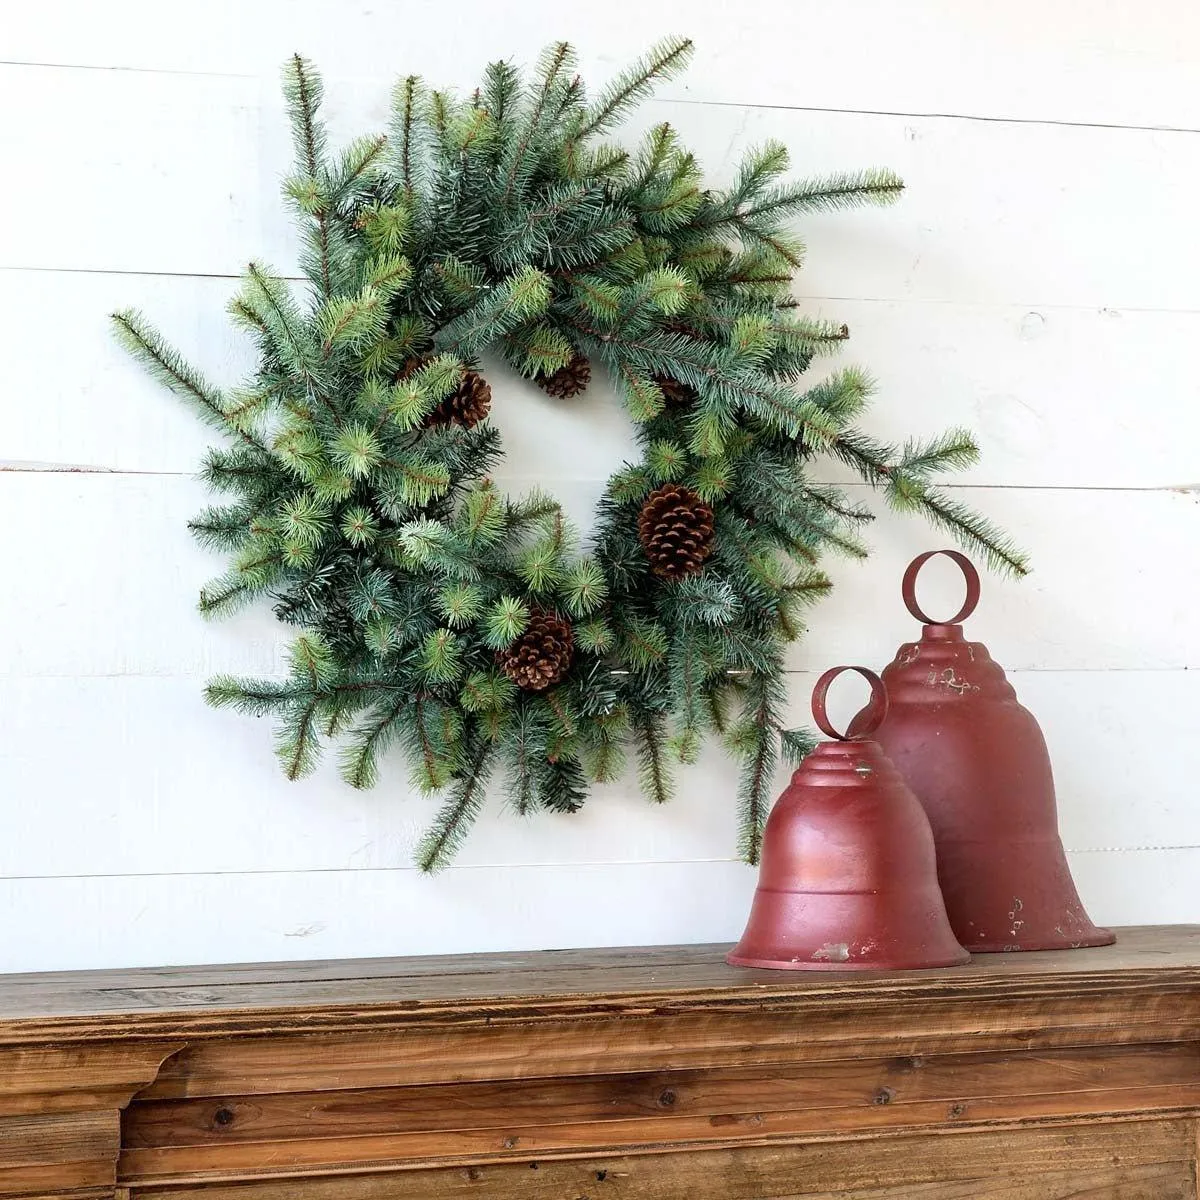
(467, 405)
(676, 531)
(542, 655)
(676, 394)
(567, 381)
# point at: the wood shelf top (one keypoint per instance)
(171, 1002)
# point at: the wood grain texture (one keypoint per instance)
(1149, 963)
(1123, 1151)
(1158, 1181)
(651, 1071)
(305, 1152)
(906, 1088)
(60, 1114)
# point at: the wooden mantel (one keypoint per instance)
(636, 1074)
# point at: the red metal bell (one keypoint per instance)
(848, 880)
(978, 763)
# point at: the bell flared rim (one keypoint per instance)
(883, 964)
(1097, 936)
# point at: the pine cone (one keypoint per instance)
(467, 405)
(542, 655)
(567, 381)
(676, 394)
(676, 531)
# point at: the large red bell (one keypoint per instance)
(978, 763)
(848, 880)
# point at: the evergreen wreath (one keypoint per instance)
(467, 627)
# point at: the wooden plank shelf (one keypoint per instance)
(630, 1073)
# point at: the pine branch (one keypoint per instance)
(972, 531)
(359, 760)
(633, 84)
(286, 329)
(457, 815)
(509, 304)
(754, 798)
(359, 158)
(252, 697)
(908, 491)
(797, 745)
(758, 168)
(687, 359)
(755, 802)
(146, 344)
(303, 91)
(298, 742)
(222, 528)
(556, 58)
(843, 395)
(953, 450)
(405, 100)
(522, 754)
(828, 194)
(650, 735)
(777, 245)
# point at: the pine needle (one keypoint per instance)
(455, 818)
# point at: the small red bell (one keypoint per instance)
(978, 763)
(848, 880)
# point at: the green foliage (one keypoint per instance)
(503, 224)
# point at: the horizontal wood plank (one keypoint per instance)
(1158, 1181)
(752, 1173)
(44, 1079)
(1115, 790)
(1058, 619)
(478, 988)
(1020, 232)
(1028, 382)
(473, 1064)
(45, 1138)
(276, 915)
(59, 1181)
(761, 1127)
(955, 60)
(967, 1081)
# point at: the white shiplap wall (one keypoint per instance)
(1040, 282)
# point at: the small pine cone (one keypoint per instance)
(676, 394)
(542, 655)
(676, 531)
(467, 405)
(567, 381)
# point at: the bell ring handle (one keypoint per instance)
(875, 713)
(909, 588)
